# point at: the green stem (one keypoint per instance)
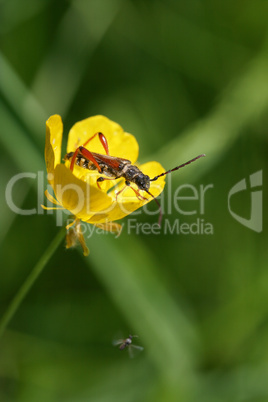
(26, 286)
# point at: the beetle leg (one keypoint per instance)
(73, 159)
(138, 195)
(88, 155)
(103, 141)
(100, 179)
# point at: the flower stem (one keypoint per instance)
(26, 286)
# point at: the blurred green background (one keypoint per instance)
(185, 77)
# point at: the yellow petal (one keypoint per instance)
(78, 197)
(54, 129)
(75, 234)
(120, 144)
(71, 238)
(81, 239)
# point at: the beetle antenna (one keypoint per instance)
(177, 167)
(160, 208)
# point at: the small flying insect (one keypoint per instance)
(127, 343)
(117, 168)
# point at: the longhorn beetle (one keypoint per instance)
(116, 168)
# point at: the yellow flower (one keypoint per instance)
(77, 191)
